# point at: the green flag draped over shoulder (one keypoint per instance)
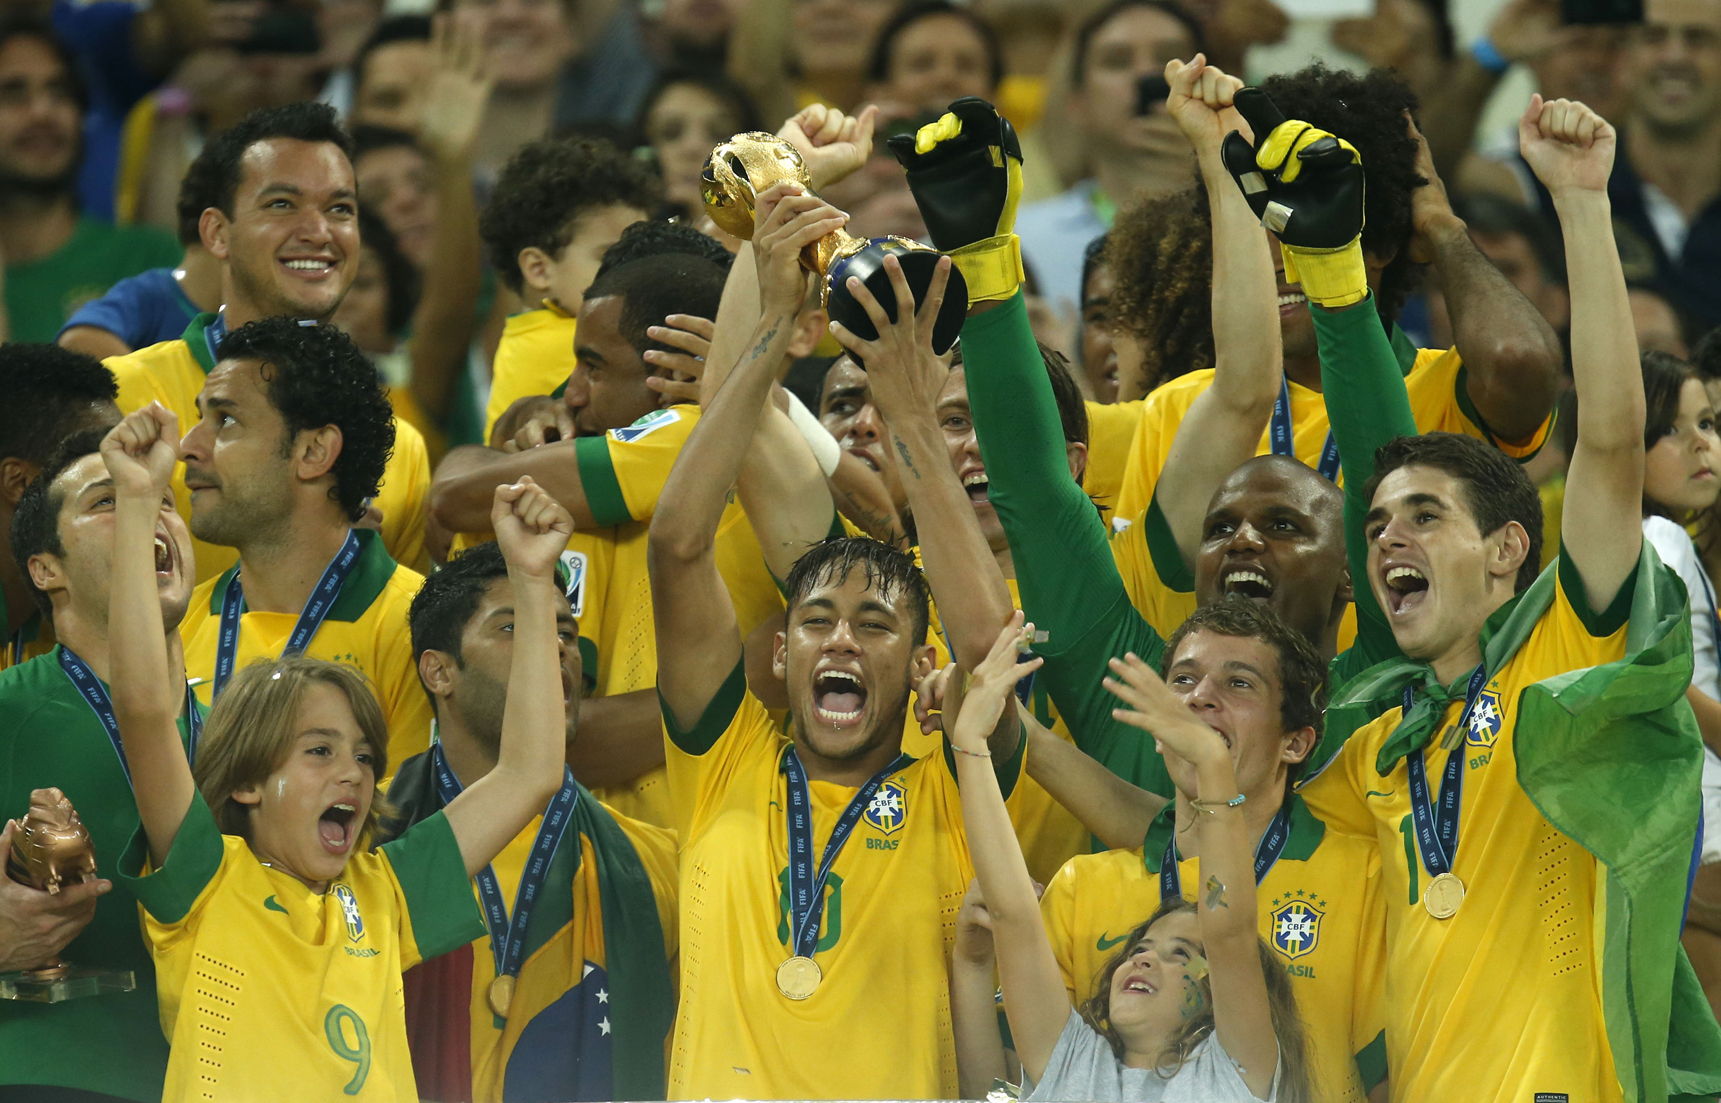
(1612, 757)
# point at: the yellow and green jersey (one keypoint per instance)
(366, 629)
(1111, 435)
(264, 982)
(1318, 907)
(172, 373)
(534, 357)
(878, 1026)
(1503, 1000)
(1434, 379)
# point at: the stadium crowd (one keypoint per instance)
(512, 579)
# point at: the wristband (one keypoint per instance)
(1489, 56)
(825, 447)
(1332, 278)
(993, 267)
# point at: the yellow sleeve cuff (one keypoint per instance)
(993, 267)
(1331, 278)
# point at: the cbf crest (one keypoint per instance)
(350, 912)
(888, 808)
(1486, 720)
(1297, 924)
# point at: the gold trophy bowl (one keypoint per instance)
(747, 164)
(51, 849)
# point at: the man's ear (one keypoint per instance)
(315, 452)
(46, 571)
(212, 232)
(810, 327)
(436, 670)
(1076, 455)
(250, 794)
(1511, 548)
(780, 656)
(1347, 586)
(534, 274)
(1298, 746)
(15, 478)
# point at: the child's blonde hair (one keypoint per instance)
(252, 727)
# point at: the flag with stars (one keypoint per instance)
(567, 1050)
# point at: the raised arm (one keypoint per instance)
(140, 453)
(698, 641)
(1113, 811)
(532, 530)
(1224, 425)
(1225, 902)
(1570, 148)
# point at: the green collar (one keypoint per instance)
(197, 340)
(1307, 831)
(370, 574)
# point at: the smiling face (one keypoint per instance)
(398, 183)
(1679, 469)
(236, 465)
(1274, 533)
(1160, 984)
(1233, 685)
(1677, 52)
(935, 60)
(292, 242)
(305, 818)
(477, 688)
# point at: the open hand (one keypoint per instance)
(457, 92)
(1153, 708)
(531, 527)
(831, 143)
(141, 450)
(1569, 147)
(991, 687)
(904, 374)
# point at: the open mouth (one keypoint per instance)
(1406, 588)
(1247, 582)
(1137, 984)
(163, 557)
(1291, 301)
(865, 457)
(309, 266)
(978, 488)
(335, 826)
(838, 697)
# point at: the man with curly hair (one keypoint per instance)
(293, 438)
(1499, 380)
(284, 226)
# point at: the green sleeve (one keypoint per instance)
(715, 720)
(1362, 382)
(1068, 581)
(598, 480)
(426, 861)
(192, 862)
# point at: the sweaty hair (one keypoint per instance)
(1293, 1084)
(1302, 672)
(1161, 255)
(653, 287)
(888, 573)
(299, 122)
(449, 599)
(1091, 26)
(1495, 488)
(1368, 111)
(49, 391)
(36, 521)
(912, 12)
(252, 728)
(652, 237)
(549, 184)
(315, 376)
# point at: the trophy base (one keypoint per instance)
(59, 983)
(918, 264)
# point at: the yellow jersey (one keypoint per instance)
(172, 373)
(366, 628)
(34, 637)
(1438, 400)
(878, 1026)
(534, 356)
(270, 990)
(1111, 435)
(1503, 1000)
(1319, 907)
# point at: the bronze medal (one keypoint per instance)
(1443, 896)
(501, 995)
(799, 977)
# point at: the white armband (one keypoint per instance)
(825, 447)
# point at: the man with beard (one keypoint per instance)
(55, 259)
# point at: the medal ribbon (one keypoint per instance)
(1437, 827)
(1267, 851)
(1280, 436)
(89, 687)
(508, 935)
(807, 890)
(311, 618)
(214, 333)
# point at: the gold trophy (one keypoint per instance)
(50, 850)
(747, 164)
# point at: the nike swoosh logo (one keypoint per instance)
(274, 905)
(1378, 793)
(1107, 943)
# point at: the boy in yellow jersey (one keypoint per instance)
(1499, 382)
(820, 876)
(1534, 795)
(1320, 891)
(289, 447)
(557, 206)
(51, 395)
(286, 233)
(570, 994)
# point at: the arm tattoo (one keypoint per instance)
(1216, 893)
(765, 341)
(902, 450)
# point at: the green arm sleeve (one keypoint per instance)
(1363, 385)
(1065, 573)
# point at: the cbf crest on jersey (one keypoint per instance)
(350, 912)
(888, 809)
(1486, 719)
(1296, 923)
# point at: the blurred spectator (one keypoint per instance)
(790, 53)
(343, 28)
(1526, 250)
(685, 115)
(390, 74)
(1160, 255)
(398, 183)
(527, 45)
(932, 52)
(1660, 326)
(1412, 36)
(1129, 151)
(55, 258)
(1099, 352)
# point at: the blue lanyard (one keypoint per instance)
(807, 891)
(311, 618)
(1024, 686)
(214, 334)
(1437, 827)
(508, 936)
(1283, 444)
(1267, 851)
(90, 688)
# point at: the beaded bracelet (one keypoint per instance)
(1212, 807)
